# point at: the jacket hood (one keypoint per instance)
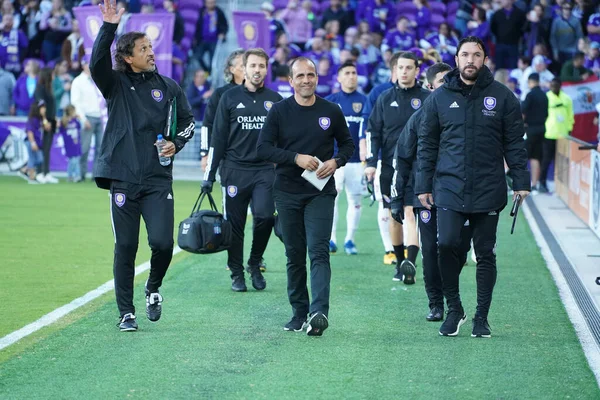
(453, 82)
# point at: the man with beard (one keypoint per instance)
(299, 135)
(244, 176)
(468, 128)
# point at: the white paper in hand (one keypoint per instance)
(311, 176)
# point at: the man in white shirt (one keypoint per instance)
(85, 99)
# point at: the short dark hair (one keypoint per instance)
(525, 60)
(436, 69)
(471, 39)
(301, 58)
(534, 76)
(125, 46)
(409, 55)
(556, 80)
(579, 55)
(394, 59)
(346, 65)
(355, 52)
(481, 14)
(282, 70)
(255, 52)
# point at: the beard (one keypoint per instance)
(256, 82)
(470, 75)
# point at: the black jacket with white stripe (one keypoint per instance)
(240, 117)
(137, 112)
(209, 117)
(389, 116)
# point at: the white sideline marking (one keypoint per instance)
(60, 312)
(590, 348)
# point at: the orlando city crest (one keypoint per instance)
(356, 107)
(415, 103)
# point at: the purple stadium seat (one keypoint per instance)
(452, 8)
(406, 7)
(437, 20)
(190, 16)
(450, 20)
(437, 8)
(190, 29)
(186, 43)
(190, 4)
(280, 4)
(410, 15)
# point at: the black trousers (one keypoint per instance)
(155, 204)
(483, 225)
(47, 140)
(306, 222)
(240, 187)
(432, 275)
(548, 154)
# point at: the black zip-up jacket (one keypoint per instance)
(222, 25)
(391, 112)
(240, 117)
(465, 135)
(137, 113)
(209, 117)
(535, 111)
(405, 161)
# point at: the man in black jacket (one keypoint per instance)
(299, 132)
(244, 177)
(507, 26)
(211, 28)
(535, 113)
(138, 100)
(390, 114)
(469, 127)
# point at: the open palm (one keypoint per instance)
(110, 13)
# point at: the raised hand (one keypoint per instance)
(110, 13)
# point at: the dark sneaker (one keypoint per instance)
(435, 314)
(296, 324)
(398, 276)
(409, 271)
(481, 328)
(258, 280)
(454, 319)
(317, 323)
(332, 247)
(153, 304)
(127, 323)
(262, 265)
(238, 283)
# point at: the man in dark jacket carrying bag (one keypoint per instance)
(469, 127)
(138, 100)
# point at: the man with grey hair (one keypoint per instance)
(234, 75)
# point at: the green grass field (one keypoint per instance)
(213, 343)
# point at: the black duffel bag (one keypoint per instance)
(205, 231)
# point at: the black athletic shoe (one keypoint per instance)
(398, 276)
(153, 304)
(481, 328)
(127, 323)
(258, 280)
(435, 314)
(262, 265)
(317, 323)
(296, 324)
(409, 271)
(454, 319)
(238, 283)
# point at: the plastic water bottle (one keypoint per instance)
(164, 161)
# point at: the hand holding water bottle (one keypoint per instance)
(165, 149)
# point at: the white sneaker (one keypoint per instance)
(40, 178)
(50, 179)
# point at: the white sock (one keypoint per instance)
(383, 219)
(335, 219)
(352, 216)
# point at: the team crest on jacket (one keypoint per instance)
(119, 199)
(231, 191)
(489, 103)
(157, 95)
(356, 107)
(415, 103)
(268, 105)
(425, 216)
(324, 123)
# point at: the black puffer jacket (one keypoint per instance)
(466, 134)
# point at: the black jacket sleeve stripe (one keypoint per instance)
(219, 139)
(101, 62)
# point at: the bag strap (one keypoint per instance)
(200, 199)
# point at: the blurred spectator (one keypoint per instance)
(335, 12)
(43, 92)
(13, 45)
(297, 23)
(198, 93)
(7, 86)
(574, 70)
(593, 27)
(179, 27)
(382, 73)
(282, 81)
(24, 92)
(378, 13)
(592, 59)
(34, 142)
(211, 27)
(539, 64)
(501, 75)
(326, 77)
(332, 32)
(280, 57)
(276, 26)
(317, 52)
(479, 26)
(30, 25)
(537, 29)
(72, 48)
(518, 73)
(8, 8)
(463, 14)
(507, 27)
(57, 26)
(564, 35)
(535, 113)
(293, 49)
(61, 86)
(361, 69)
(443, 42)
(70, 130)
(178, 60)
(401, 38)
(310, 15)
(85, 97)
(423, 20)
(513, 85)
(89, 3)
(350, 38)
(369, 54)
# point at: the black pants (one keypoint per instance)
(483, 225)
(155, 204)
(306, 221)
(432, 276)
(47, 140)
(203, 48)
(240, 187)
(548, 154)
